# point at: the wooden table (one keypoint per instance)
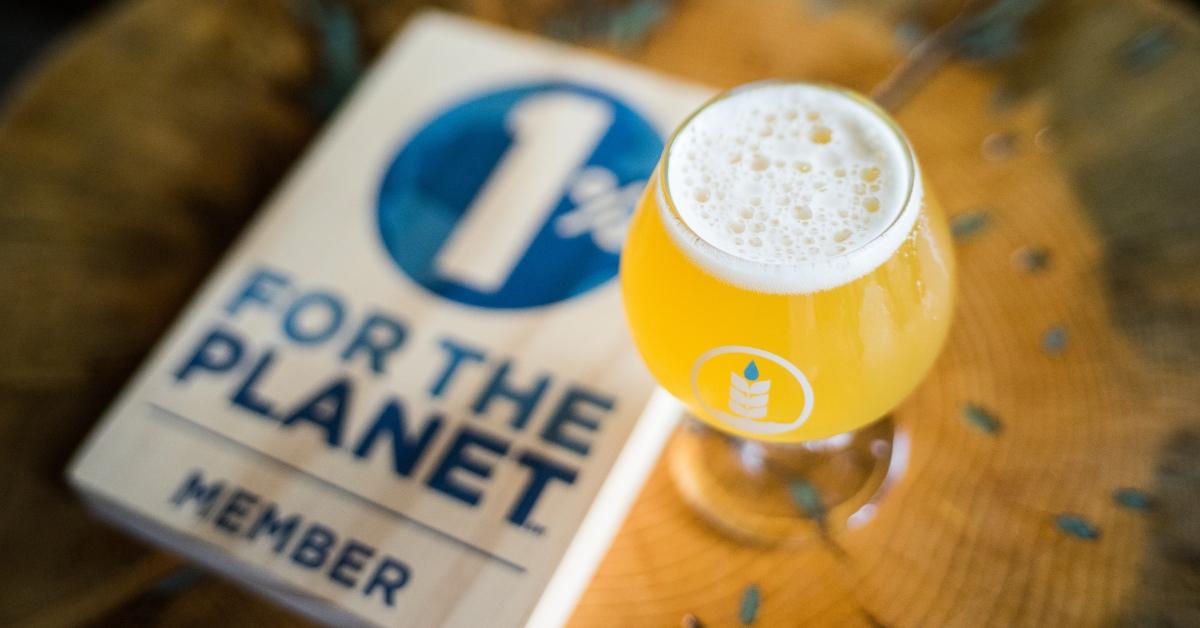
(130, 158)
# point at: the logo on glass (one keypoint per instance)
(751, 390)
(517, 198)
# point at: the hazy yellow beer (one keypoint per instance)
(787, 275)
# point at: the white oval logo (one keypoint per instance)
(751, 390)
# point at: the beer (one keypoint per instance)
(787, 274)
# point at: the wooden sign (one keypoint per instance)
(407, 396)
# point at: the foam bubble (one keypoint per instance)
(838, 178)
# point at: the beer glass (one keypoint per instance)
(790, 279)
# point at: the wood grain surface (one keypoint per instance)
(133, 154)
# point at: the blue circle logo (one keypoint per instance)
(517, 198)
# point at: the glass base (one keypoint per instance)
(787, 494)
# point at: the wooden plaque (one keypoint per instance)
(407, 396)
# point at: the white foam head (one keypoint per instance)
(789, 188)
